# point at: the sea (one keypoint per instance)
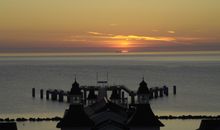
(196, 75)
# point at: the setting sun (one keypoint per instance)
(122, 44)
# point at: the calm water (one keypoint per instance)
(170, 125)
(195, 75)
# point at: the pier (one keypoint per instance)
(123, 92)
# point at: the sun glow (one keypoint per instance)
(122, 44)
(125, 43)
(124, 51)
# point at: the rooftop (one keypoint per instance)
(75, 90)
(143, 89)
(75, 116)
(210, 125)
(144, 116)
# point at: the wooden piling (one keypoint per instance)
(33, 92)
(166, 90)
(54, 95)
(47, 94)
(41, 93)
(161, 92)
(61, 94)
(156, 92)
(174, 90)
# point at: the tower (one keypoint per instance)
(143, 93)
(75, 94)
(143, 118)
(75, 118)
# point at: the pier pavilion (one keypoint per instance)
(143, 117)
(75, 117)
(108, 114)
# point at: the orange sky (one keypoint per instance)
(109, 25)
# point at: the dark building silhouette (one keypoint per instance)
(210, 125)
(143, 93)
(8, 126)
(115, 96)
(75, 117)
(103, 114)
(110, 125)
(75, 94)
(108, 116)
(92, 97)
(105, 105)
(143, 118)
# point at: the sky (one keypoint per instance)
(109, 25)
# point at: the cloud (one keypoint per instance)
(130, 37)
(171, 32)
(100, 37)
(145, 38)
(95, 33)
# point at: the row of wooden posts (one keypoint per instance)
(59, 95)
(160, 92)
(54, 93)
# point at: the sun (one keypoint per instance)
(123, 44)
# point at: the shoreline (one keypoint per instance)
(57, 118)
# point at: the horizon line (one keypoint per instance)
(92, 53)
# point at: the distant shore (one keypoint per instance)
(56, 118)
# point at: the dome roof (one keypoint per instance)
(143, 89)
(75, 90)
(75, 116)
(144, 117)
